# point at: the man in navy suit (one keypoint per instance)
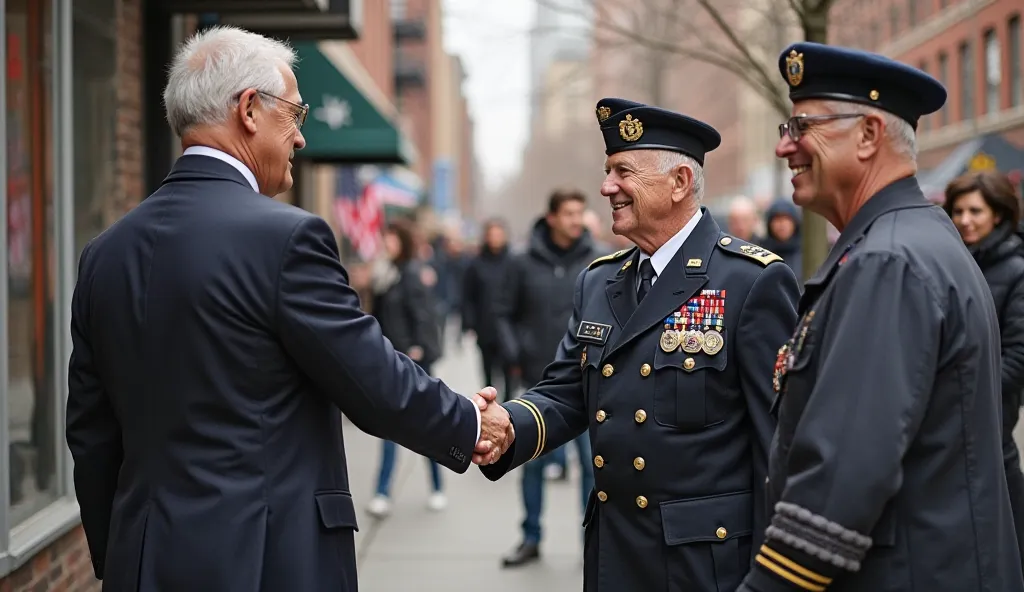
(215, 339)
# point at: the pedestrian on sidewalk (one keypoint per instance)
(403, 303)
(534, 307)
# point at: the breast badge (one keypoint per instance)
(697, 326)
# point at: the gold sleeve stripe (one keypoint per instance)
(536, 417)
(543, 427)
(788, 575)
(793, 566)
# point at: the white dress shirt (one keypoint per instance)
(251, 178)
(224, 157)
(665, 253)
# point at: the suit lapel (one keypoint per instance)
(621, 290)
(678, 282)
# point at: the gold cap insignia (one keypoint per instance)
(982, 162)
(603, 113)
(873, 95)
(795, 67)
(631, 129)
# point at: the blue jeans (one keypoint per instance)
(533, 488)
(389, 451)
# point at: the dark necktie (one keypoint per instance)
(646, 280)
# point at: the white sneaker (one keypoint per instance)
(552, 472)
(437, 501)
(379, 507)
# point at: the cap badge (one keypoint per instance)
(631, 129)
(795, 68)
(603, 113)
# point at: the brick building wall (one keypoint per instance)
(65, 565)
(375, 47)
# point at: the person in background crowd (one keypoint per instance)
(986, 211)
(403, 305)
(483, 284)
(450, 264)
(592, 222)
(782, 234)
(743, 219)
(535, 306)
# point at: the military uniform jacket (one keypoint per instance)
(680, 437)
(886, 470)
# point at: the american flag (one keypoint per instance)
(359, 213)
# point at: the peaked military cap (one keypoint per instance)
(651, 128)
(609, 107)
(816, 71)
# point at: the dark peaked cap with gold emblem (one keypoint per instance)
(652, 128)
(610, 107)
(816, 71)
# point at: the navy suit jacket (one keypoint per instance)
(215, 337)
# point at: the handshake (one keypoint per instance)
(496, 432)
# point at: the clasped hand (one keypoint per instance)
(496, 432)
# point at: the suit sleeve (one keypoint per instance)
(876, 360)
(341, 349)
(92, 428)
(553, 412)
(506, 311)
(766, 321)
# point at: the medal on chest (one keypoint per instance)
(790, 351)
(697, 325)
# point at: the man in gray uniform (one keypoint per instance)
(886, 470)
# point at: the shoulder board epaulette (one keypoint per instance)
(741, 247)
(613, 257)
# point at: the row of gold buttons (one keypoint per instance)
(640, 416)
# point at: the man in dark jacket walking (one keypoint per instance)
(532, 316)
(782, 234)
(482, 286)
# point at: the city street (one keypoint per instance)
(453, 550)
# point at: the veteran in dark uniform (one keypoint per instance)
(667, 362)
(886, 470)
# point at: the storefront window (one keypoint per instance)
(94, 62)
(31, 260)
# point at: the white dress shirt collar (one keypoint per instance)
(224, 157)
(661, 257)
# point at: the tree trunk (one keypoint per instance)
(814, 228)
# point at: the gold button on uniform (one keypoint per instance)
(601, 415)
(725, 242)
(599, 461)
(641, 502)
(607, 371)
(645, 370)
(638, 463)
(721, 532)
(689, 363)
(640, 416)
(602, 496)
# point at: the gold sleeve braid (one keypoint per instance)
(542, 435)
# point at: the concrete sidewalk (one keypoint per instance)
(460, 548)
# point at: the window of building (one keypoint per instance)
(966, 81)
(398, 9)
(1016, 75)
(33, 298)
(943, 73)
(993, 71)
(912, 13)
(894, 22)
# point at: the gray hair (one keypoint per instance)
(214, 66)
(668, 160)
(898, 132)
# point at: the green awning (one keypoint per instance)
(350, 120)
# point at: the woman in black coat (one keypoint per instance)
(986, 211)
(403, 304)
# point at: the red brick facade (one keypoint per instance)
(62, 567)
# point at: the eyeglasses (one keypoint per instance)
(795, 126)
(301, 111)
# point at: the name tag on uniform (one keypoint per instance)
(593, 332)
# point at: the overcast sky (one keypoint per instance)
(492, 38)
